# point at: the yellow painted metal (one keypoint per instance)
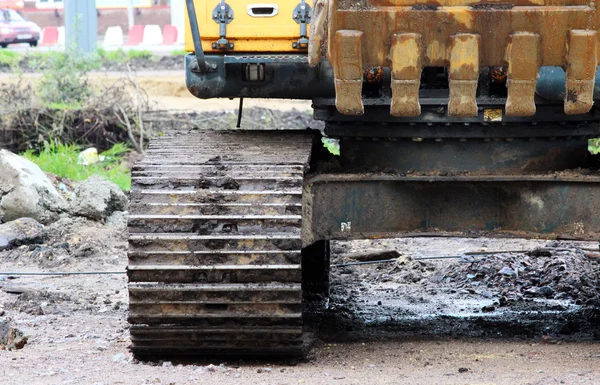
(248, 33)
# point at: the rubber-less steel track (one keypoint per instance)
(215, 244)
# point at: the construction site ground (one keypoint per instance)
(413, 320)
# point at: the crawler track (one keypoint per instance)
(215, 244)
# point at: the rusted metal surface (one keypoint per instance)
(348, 68)
(215, 244)
(406, 74)
(464, 35)
(353, 206)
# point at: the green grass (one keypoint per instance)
(122, 56)
(61, 159)
(9, 58)
(179, 52)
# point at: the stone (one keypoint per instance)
(11, 338)
(97, 199)
(23, 231)
(118, 219)
(118, 357)
(545, 291)
(507, 271)
(25, 191)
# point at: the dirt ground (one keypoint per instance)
(79, 335)
(410, 321)
(167, 91)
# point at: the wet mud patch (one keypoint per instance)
(526, 293)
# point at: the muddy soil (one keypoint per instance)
(530, 289)
(521, 317)
(384, 324)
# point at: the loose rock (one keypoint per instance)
(507, 271)
(375, 255)
(11, 338)
(97, 198)
(25, 191)
(23, 231)
(118, 219)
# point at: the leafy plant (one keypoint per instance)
(61, 159)
(594, 146)
(332, 145)
(64, 79)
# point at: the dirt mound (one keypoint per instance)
(73, 242)
(548, 273)
(535, 288)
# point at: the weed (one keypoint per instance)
(61, 159)
(122, 56)
(9, 58)
(594, 146)
(64, 80)
(179, 52)
(332, 145)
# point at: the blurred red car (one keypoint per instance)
(12, 4)
(15, 29)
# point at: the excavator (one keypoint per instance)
(454, 118)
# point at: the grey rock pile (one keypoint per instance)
(518, 277)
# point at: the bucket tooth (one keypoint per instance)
(581, 71)
(317, 45)
(464, 74)
(348, 71)
(523, 57)
(405, 56)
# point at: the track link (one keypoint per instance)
(215, 244)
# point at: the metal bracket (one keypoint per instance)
(208, 67)
(222, 15)
(302, 15)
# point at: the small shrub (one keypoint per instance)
(64, 80)
(61, 159)
(9, 58)
(594, 146)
